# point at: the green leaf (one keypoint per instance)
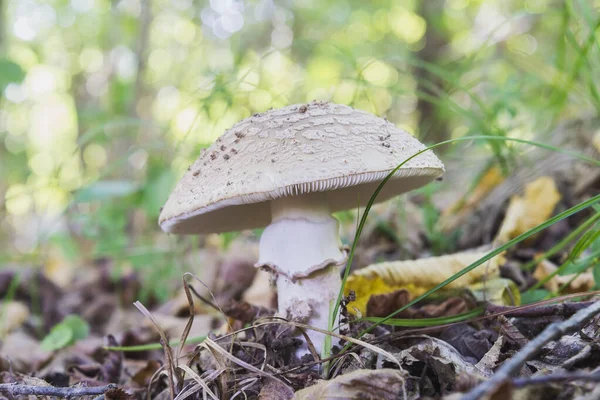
(67, 332)
(531, 296)
(104, 190)
(78, 326)
(10, 73)
(157, 191)
(60, 336)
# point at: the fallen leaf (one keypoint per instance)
(274, 390)
(67, 332)
(560, 351)
(381, 305)
(436, 363)
(246, 312)
(498, 291)
(143, 376)
(261, 292)
(417, 276)
(530, 210)
(380, 384)
(512, 334)
(23, 351)
(581, 283)
(596, 141)
(453, 215)
(472, 344)
(490, 360)
(58, 268)
(12, 315)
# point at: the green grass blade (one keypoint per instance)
(424, 322)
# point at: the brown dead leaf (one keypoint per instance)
(581, 283)
(246, 312)
(23, 351)
(511, 333)
(448, 308)
(471, 343)
(261, 292)
(380, 384)
(382, 305)
(436, 363)
(490, 360)
(530, 210)
(143, 376)
(117, 394)
(417, 276)
(274, 390)
(235, 277)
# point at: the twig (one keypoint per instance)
(561, 377)
(551, 310)
(16, 389)
(551, 332)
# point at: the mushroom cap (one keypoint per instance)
(291, 151)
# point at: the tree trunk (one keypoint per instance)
(432, 126)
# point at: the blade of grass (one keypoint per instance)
(560, 245)
(421, 322)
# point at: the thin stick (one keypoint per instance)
(551, 310)
(539, 380)
(16, 389)
(551, 332)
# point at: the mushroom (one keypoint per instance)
(291, 168)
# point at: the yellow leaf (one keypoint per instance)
(596, 141)
(498, 291)
(535, 207)
(58, 269)
(581, 283)
(417, 276)
(13, 314)
(452, 216)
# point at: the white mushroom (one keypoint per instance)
(289, 169)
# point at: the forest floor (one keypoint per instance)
(522, 323)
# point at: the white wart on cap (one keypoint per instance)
(293, 151)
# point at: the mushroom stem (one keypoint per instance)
(302, 246)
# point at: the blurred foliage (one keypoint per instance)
(104, 103)
(71, 329)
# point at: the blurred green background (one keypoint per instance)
(105, 103)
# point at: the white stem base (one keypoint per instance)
(302, 246)
(309, 301)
